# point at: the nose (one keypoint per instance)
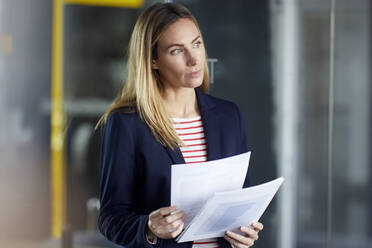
(191, 58)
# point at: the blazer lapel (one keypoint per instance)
(176, 155)
(211, 125)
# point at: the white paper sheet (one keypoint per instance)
(193, 184)
(229, 211)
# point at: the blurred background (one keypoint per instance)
(298, 69)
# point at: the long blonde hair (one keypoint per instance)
(143, 87)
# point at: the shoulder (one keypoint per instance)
(222, 103)
(227, 112)
(123, 113)
(125, 118)
(222, 106)
(207, 101)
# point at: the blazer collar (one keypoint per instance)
(210, 120)
(204, 101)
(210, 123)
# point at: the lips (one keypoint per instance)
(193, 74)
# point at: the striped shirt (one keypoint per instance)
(191, 132)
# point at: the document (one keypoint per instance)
(229, 211)
(193, 184)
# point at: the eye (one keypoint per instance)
(176, 51)
(197, 44)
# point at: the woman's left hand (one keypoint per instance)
(240, 241)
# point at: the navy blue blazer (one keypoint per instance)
(135, 169)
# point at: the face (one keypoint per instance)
(181, 55)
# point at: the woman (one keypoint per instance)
(163, 116)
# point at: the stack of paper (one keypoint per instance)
(212, 197)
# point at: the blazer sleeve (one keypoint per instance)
(243, 145)
(117, 219)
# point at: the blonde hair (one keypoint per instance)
(143, 88)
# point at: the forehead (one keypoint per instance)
(182, 31)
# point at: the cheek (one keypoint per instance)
(174, 67)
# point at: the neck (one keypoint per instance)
(181, 102)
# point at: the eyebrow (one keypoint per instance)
(175, 44)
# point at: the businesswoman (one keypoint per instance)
(163, 116)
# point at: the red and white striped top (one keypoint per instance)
(191, 132)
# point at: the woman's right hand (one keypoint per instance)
(165, 225)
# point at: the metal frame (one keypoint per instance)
(58, 113)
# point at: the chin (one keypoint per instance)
(194, 84)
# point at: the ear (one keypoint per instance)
(154, 64)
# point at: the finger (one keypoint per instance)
(167, 210)
(157, 223)
(174, 225)
(240, 238)
(153, 214)
(250, 232)
(167, 223)
(162, 211)
(258, 226)
(152, 223)
(155, 219)
(177, 231)
(173, 217)
(234, 243)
